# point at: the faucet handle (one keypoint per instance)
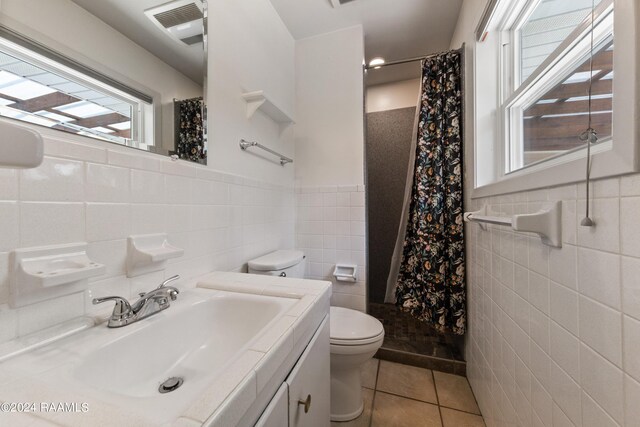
(169, 280)
(122, 309)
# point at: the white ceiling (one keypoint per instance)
(128, 17)
(394, 29)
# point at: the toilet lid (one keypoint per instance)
(351, 327)
(277, 260)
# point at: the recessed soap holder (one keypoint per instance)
(148, 253)
(42, 273)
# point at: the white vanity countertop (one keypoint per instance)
(222, 403)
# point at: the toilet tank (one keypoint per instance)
(285, 263)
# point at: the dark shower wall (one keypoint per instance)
(388, 142)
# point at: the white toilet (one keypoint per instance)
(279, 263)
(355, 337)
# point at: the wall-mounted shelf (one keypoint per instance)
(149, 253)
(38, 274)
(546, 223)
(258, 100)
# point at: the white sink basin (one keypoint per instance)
(195, 339)
(193, 343)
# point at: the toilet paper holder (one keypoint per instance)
(345, 272)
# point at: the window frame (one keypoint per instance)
(59, 59)
(572, 52)
(611, 158)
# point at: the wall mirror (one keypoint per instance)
(130, 73)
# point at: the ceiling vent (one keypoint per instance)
(182, 20)
(338, 3)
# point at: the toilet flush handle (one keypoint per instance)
(306, 403)
(283, 274)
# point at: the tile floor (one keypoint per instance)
(398, 395)
(404, 332)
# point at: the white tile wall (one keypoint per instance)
(330, 229)
(85, 192)
(554, 334)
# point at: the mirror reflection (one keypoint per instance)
(141, 85)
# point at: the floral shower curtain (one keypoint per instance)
(427, 275)
(189, 139)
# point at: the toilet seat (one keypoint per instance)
(353, 328)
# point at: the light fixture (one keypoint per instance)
(376, 63)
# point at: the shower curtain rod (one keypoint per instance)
(404, 61)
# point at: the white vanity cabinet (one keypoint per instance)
(277, 412)
(304, 396)
(309, 383)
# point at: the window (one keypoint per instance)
(553, 120)
(536, 62)
(547, 55)
(41, 87)
(548, 25)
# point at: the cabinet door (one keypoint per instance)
(277, 412)
(309, 382)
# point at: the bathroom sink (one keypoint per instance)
(218, 328)
(195, 340)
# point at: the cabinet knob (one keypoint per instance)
(306, 403)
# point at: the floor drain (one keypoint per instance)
(170, 385)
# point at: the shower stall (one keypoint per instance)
(392, 96)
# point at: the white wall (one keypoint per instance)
(391, 96)
(554, 334)
(330, 229)
(249, 49)
(329, 154)
(329, 109)
(102, 193)
(236, 208)
(69, 29)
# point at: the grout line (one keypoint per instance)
(623, 358)
(375, 391)
(373, 404)
(460, 410)
(424, 356)
(474, 395)
(435, 388)
(408, 398)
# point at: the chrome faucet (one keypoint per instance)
(149, 303)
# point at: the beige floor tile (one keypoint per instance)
(408, 381)
(395, 411)
(453, 418)
(370, 373)
(365, 418)
(454, 392)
